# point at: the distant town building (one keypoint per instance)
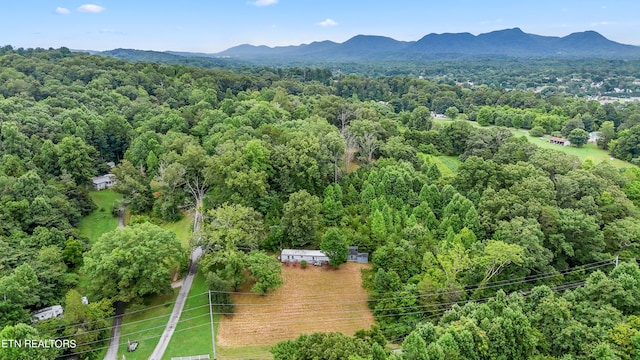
(104, 181)
(47, 313)
(559, 141)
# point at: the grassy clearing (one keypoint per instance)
(193, 333)
(311, 300)
(587, 152)
(100, 220)
(245, 352)
(181, 228)
(146, 326)
(452, 162)
(448, 165)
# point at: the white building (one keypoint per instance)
(310, 256)
(319, 257)
(47, 313)
(104, 181)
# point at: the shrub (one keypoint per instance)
(303, 264)
(537, 131)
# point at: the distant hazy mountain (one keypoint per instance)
(509, 42)
(171, 58)
(501, 43)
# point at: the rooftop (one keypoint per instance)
(103, 178)
(303, 252)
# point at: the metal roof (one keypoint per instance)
(103, 178)
(297, 252)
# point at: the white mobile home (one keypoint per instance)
(310, 256)
(47, 313)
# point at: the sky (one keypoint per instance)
(215, 25)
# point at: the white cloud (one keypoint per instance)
(91, 8)
(62, 11)
(601, 23)
(327, 22)
(264, 2)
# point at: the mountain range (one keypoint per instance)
(504, 43)
(509, 42)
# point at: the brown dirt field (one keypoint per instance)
(315, 299)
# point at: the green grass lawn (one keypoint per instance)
(587, 152)
(193, 333)
(146, 326)
(452, 162)
(181, 228)
(100, 220)
(448, 165)
(245, 352)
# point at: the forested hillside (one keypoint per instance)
(515, 251)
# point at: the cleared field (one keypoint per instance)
(315, 299)
(447, 165)
(587, 152)
(100, 220)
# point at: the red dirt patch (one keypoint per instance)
(315, 299)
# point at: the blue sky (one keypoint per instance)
(215, 25)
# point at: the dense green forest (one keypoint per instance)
(575, 76)
(521, 252)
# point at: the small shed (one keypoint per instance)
(310, 256)
(356, 256)
(559, 141)
(104, 181)
(47, 313)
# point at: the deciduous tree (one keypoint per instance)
(265, 270)
(334, 244)
(126, 264)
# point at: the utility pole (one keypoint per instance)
(213, 334)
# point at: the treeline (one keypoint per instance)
(272, 159)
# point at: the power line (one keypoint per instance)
(282, 322)
(503, 283)
(530, 278)
(131, 323)
(142, 331)
(432, 312)
(147, 338)
(123, 315)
